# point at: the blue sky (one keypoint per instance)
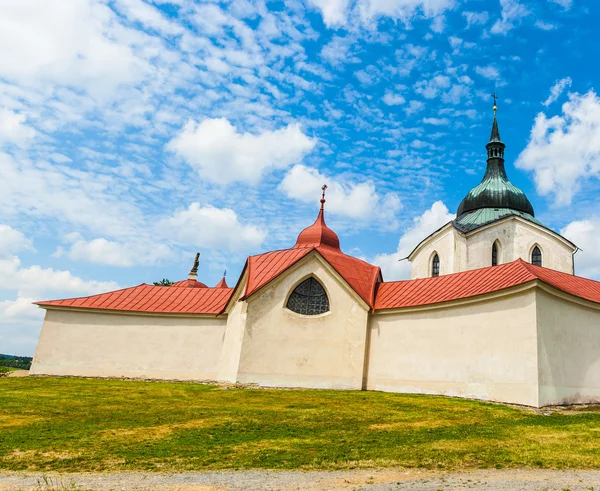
(134, 133)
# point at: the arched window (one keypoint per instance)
(536, 256)
(435, 266)
(494, 254)
(308, 298)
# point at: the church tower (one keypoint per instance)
(495, 223)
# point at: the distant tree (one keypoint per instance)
(19, 362)
(163, 282)
(4, 371)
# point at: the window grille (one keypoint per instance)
(536, 256)
(309, 298)
(435, 266)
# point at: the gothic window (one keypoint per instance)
(308, 298)
(495, 254)
(435, 266)
(536, 256)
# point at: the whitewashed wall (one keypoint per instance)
(120, 345)
(485, 350)
(282, 348)
(569, 351)
(517, 238)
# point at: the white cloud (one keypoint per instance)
(334, 11)
(220, 153)
(13, 128)
(403, 9)
(545, 26)
(475, 18)
(564, 150)
(12, 241)
(490, 72)
(112, 253)
(66, 43)
(566, 4)
(557, 89)
(432, 87)
(436, 121)
(413, 107)
(355, 200)
(35, 280)
(392, 99)
(586, 235)
(216, 228)
(512, 14)
(424, 225)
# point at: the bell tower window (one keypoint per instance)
(435, 266)
(536, 256)
(309, 298)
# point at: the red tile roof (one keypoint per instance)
(427, 291)
(155, 299)
(222, 283)
(189, 284)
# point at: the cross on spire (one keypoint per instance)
(495, 101)
(324, 188)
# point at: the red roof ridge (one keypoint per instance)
(42, 302)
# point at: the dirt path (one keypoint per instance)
(374, 479)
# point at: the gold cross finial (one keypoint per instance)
(495, 101)
(323, 195)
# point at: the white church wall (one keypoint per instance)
(229, 362)
(443, 243)
(94, 344)
(479, 244)
(569, 351)
(285, 349)
(485, 350)
(556, 254)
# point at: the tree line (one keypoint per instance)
(20, 362)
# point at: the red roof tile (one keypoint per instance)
(427, 291)
(155, 299)
(189, 284)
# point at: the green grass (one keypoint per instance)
(67, 424)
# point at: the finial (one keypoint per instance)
(495, 102)
(194, 271)
(323, 195)
(224, 273)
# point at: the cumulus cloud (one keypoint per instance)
(475, 18)
(424, 225)
(13, 128)
(392, 99)
(432, 87)
(512, 14)
(564, 150)
(403, 9)
(557, 89)
(220, 153)
(489, 72)
(216, 228)
(355, 200)
(436, 121)
(113, 253)
(566, 4)
(65, 43)
(12, 241)
(334, 12)
(586, 235)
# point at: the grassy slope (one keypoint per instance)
(78, 425)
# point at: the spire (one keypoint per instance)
(194, 271)
(318, 234)
(495, 147)
(222, 283)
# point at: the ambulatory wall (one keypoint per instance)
(484, 350)
(569, 351)
(121, 345)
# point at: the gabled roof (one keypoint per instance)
(153, 299)
(360, 275)
(428, 291)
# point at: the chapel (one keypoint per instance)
(493, 311)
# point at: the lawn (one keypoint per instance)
(67, 424)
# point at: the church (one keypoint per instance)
(493, 311)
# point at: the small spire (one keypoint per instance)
(324, 188)
(194, 271)
(495, 136)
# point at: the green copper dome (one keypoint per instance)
(495, 192)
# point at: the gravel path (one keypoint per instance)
(373, 479)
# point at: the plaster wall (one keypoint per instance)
(283, 349)
(556, 254)
(444, 244)
(569, 351)
(229, 362)
(119, 345)
(485, 350)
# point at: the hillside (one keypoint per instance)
(18, 362)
